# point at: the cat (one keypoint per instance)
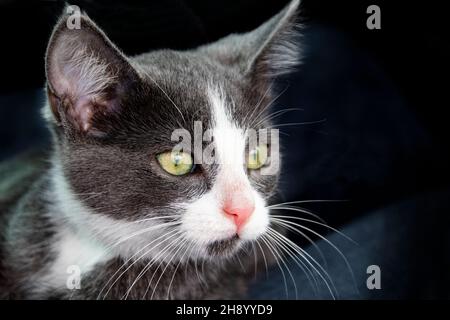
(115, 213)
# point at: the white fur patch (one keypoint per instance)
(86, 238)
(71, 251)
(204, 221)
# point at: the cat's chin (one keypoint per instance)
(225, 247)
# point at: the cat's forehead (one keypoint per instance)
(180, 64)
(197, 86)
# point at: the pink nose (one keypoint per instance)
(240, 208)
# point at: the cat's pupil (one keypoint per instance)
(177, 160)
(254, 154)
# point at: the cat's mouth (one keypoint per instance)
(223, 247)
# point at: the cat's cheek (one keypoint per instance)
(203, 223)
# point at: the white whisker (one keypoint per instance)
(171, 233)
(323, 238)
(315, 222)
(304, 254)
(266, 242)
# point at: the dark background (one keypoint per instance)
(381, 93)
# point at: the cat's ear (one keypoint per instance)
(86, 74)
(266, 52)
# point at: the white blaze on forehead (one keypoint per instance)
(204, 220)
(228, 137)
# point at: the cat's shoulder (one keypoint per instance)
(17, 174)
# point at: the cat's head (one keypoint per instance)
(115, 119)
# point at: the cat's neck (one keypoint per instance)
(44, 241)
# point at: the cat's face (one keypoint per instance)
(117, 120)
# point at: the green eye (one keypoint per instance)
(257, 157)
(176, 163)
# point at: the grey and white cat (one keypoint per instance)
(108, 206)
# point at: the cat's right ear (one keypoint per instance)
(86, 75)
(265, 53)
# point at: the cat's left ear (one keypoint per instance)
(264, 53)
(87, 76)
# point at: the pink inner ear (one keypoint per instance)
(83, 78)
(82, 112)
